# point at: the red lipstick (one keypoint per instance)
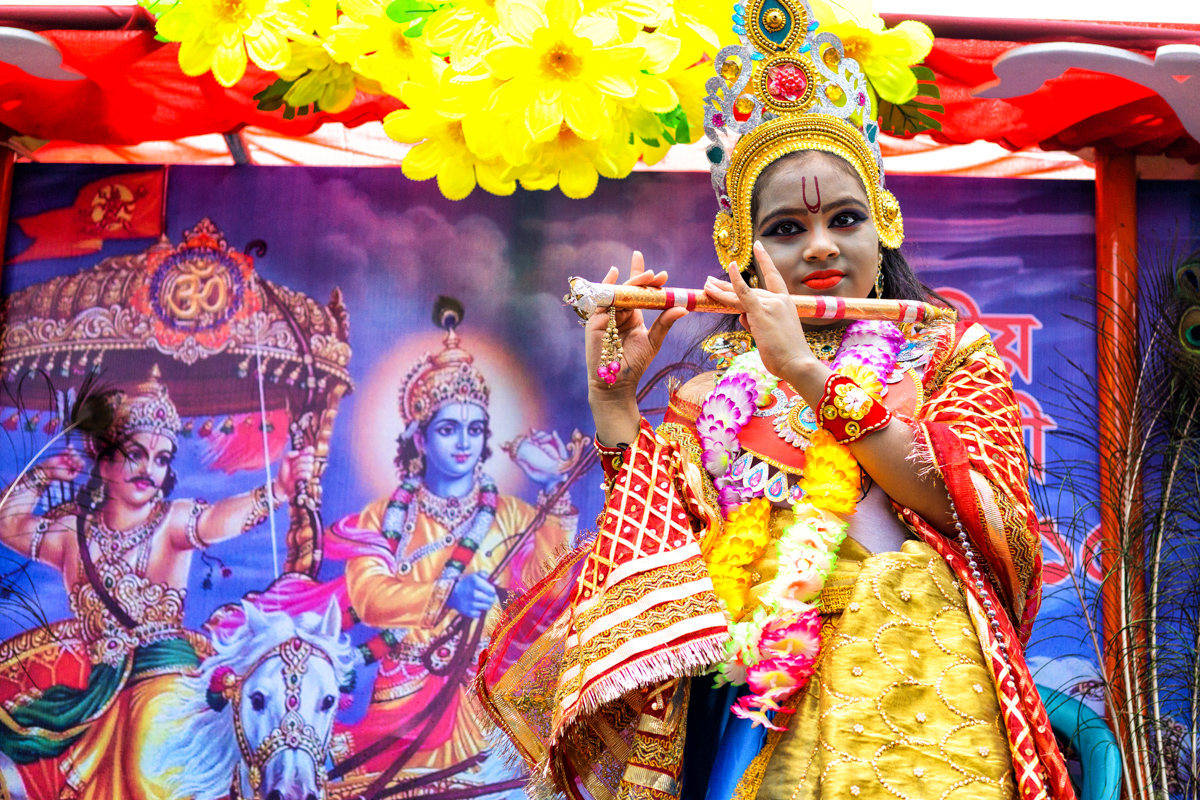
(823, 279)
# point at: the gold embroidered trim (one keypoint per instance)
(958, 359)
(834, 599)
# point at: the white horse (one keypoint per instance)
(258, 720)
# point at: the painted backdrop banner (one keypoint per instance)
(276, 593)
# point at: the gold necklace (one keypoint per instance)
(824, 342)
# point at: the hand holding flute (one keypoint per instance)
(614, 405)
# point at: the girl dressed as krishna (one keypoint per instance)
(817, 577)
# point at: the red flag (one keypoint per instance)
(125, 206)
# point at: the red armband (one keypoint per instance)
(611, 459)
(848, 412)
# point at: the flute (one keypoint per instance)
(588, 298)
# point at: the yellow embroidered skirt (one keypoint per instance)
(901, 704)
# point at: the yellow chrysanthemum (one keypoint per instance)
(367, 39)
(885, 55)
(731, 584)
(745, 535)
(865, 377)
(574, 164)
(447, 118)
(562, 71)
(218, 35)
(831, 476)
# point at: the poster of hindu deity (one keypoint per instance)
(278, 443)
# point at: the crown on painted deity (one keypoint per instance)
(787, 87)
(439, 379)
(145, 409)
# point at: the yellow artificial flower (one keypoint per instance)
(561, 72)
(446, 119)
(745, 534)
(218, 35)
(865, 377)
(367, 39)
(831, 475)
(702, 26)
(574, 164)
(467, 28)
(885, 55)
(318, 78)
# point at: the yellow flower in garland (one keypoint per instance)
(367, 39)
(218, 35)
(445, 117)
(731, 584)
(562, 71)
(865, 377)
(885, 55)
(831, 476)
(745, 534)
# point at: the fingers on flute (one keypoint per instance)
(749, 300)
(772, 280)
(722, 292)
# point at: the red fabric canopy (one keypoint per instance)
(1080, 109)
(134, 92)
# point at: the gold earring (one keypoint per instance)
(879, 283)
(753, 280)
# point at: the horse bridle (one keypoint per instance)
(292, 733)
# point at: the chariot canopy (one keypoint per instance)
(200, 312)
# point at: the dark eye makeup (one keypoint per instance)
(787, 227)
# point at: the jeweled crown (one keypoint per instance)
(437, 380)
(785, 88)
(145, 409)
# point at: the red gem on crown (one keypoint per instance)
(787, 82)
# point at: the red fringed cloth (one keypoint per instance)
(583, 673)
(596, 699)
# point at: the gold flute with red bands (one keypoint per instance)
(588, 298)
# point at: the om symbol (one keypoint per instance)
(196, 289)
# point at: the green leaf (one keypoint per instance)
(402, 11)
(651, 142)
(271, 98)
(916, 115)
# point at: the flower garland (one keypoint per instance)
(774, 649)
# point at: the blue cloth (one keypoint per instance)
(718, 747)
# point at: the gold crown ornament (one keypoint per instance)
(439, 379)
(145, 409)
(785, 88)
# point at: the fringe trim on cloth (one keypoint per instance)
(686, 660)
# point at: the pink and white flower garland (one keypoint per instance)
(774, 650)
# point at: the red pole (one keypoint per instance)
(7, 159)
(1121, 595)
